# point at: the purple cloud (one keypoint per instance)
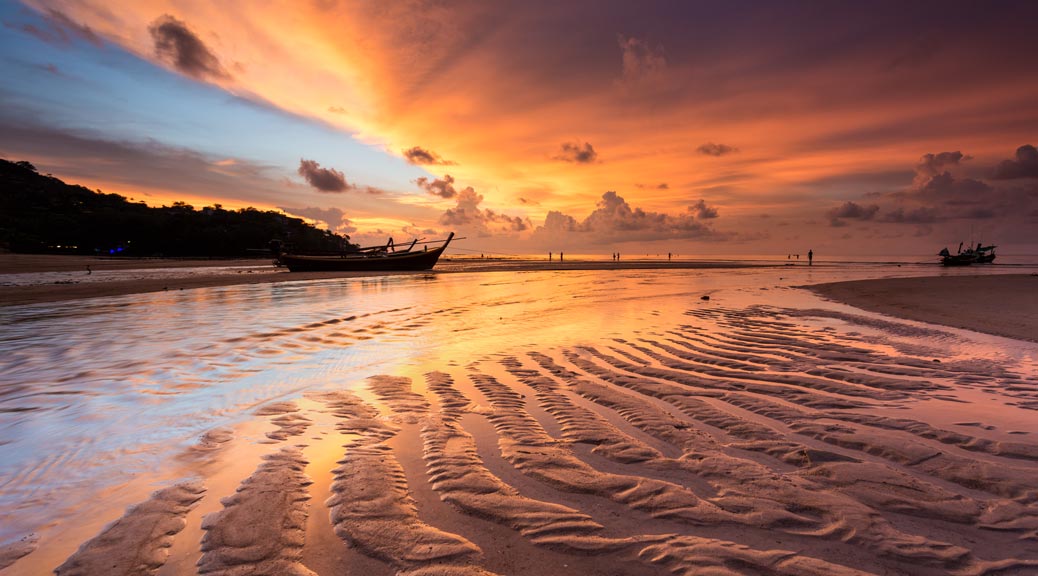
(442, 187)
(711, 149)
(323, 179)
(577, 153)
(178, 45)
(1025, 165)
(420, 156)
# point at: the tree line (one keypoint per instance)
(42, 214)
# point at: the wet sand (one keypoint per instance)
(1004, 305)
(188, 273)
(730, 436)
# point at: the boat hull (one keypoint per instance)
(386, 262)
(956, 261)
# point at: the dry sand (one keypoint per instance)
(1004, 305)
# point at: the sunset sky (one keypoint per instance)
(585, 126)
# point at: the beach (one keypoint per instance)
(34, 279)
(601, 419)
(1004, 304)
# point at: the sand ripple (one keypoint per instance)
(742, 441)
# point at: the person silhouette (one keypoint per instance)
(810, 257)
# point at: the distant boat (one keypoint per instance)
(371, 259)
(979, 255)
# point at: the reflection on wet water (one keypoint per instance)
(94, 393)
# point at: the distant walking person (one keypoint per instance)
(810, 257)
(561, 256)
(549, 256)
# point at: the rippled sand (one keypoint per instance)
(537, 423)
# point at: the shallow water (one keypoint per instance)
(100, 399)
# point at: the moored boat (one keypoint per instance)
(979, 255)
(372, 259)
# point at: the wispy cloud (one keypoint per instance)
(711, 149)
(58, 29)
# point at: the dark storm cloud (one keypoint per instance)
(420, 156)
(577, 153)
(323, 179)
(711, 149)
(1025, 165)
(442, 187)
(178, 45)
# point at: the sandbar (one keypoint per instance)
(1002, 304)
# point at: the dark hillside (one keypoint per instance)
(42, 214)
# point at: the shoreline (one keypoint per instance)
(253, 271)
(1002, 305)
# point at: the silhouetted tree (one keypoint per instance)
(43, 214)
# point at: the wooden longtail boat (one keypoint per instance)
(373, 259)
(979, 255)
